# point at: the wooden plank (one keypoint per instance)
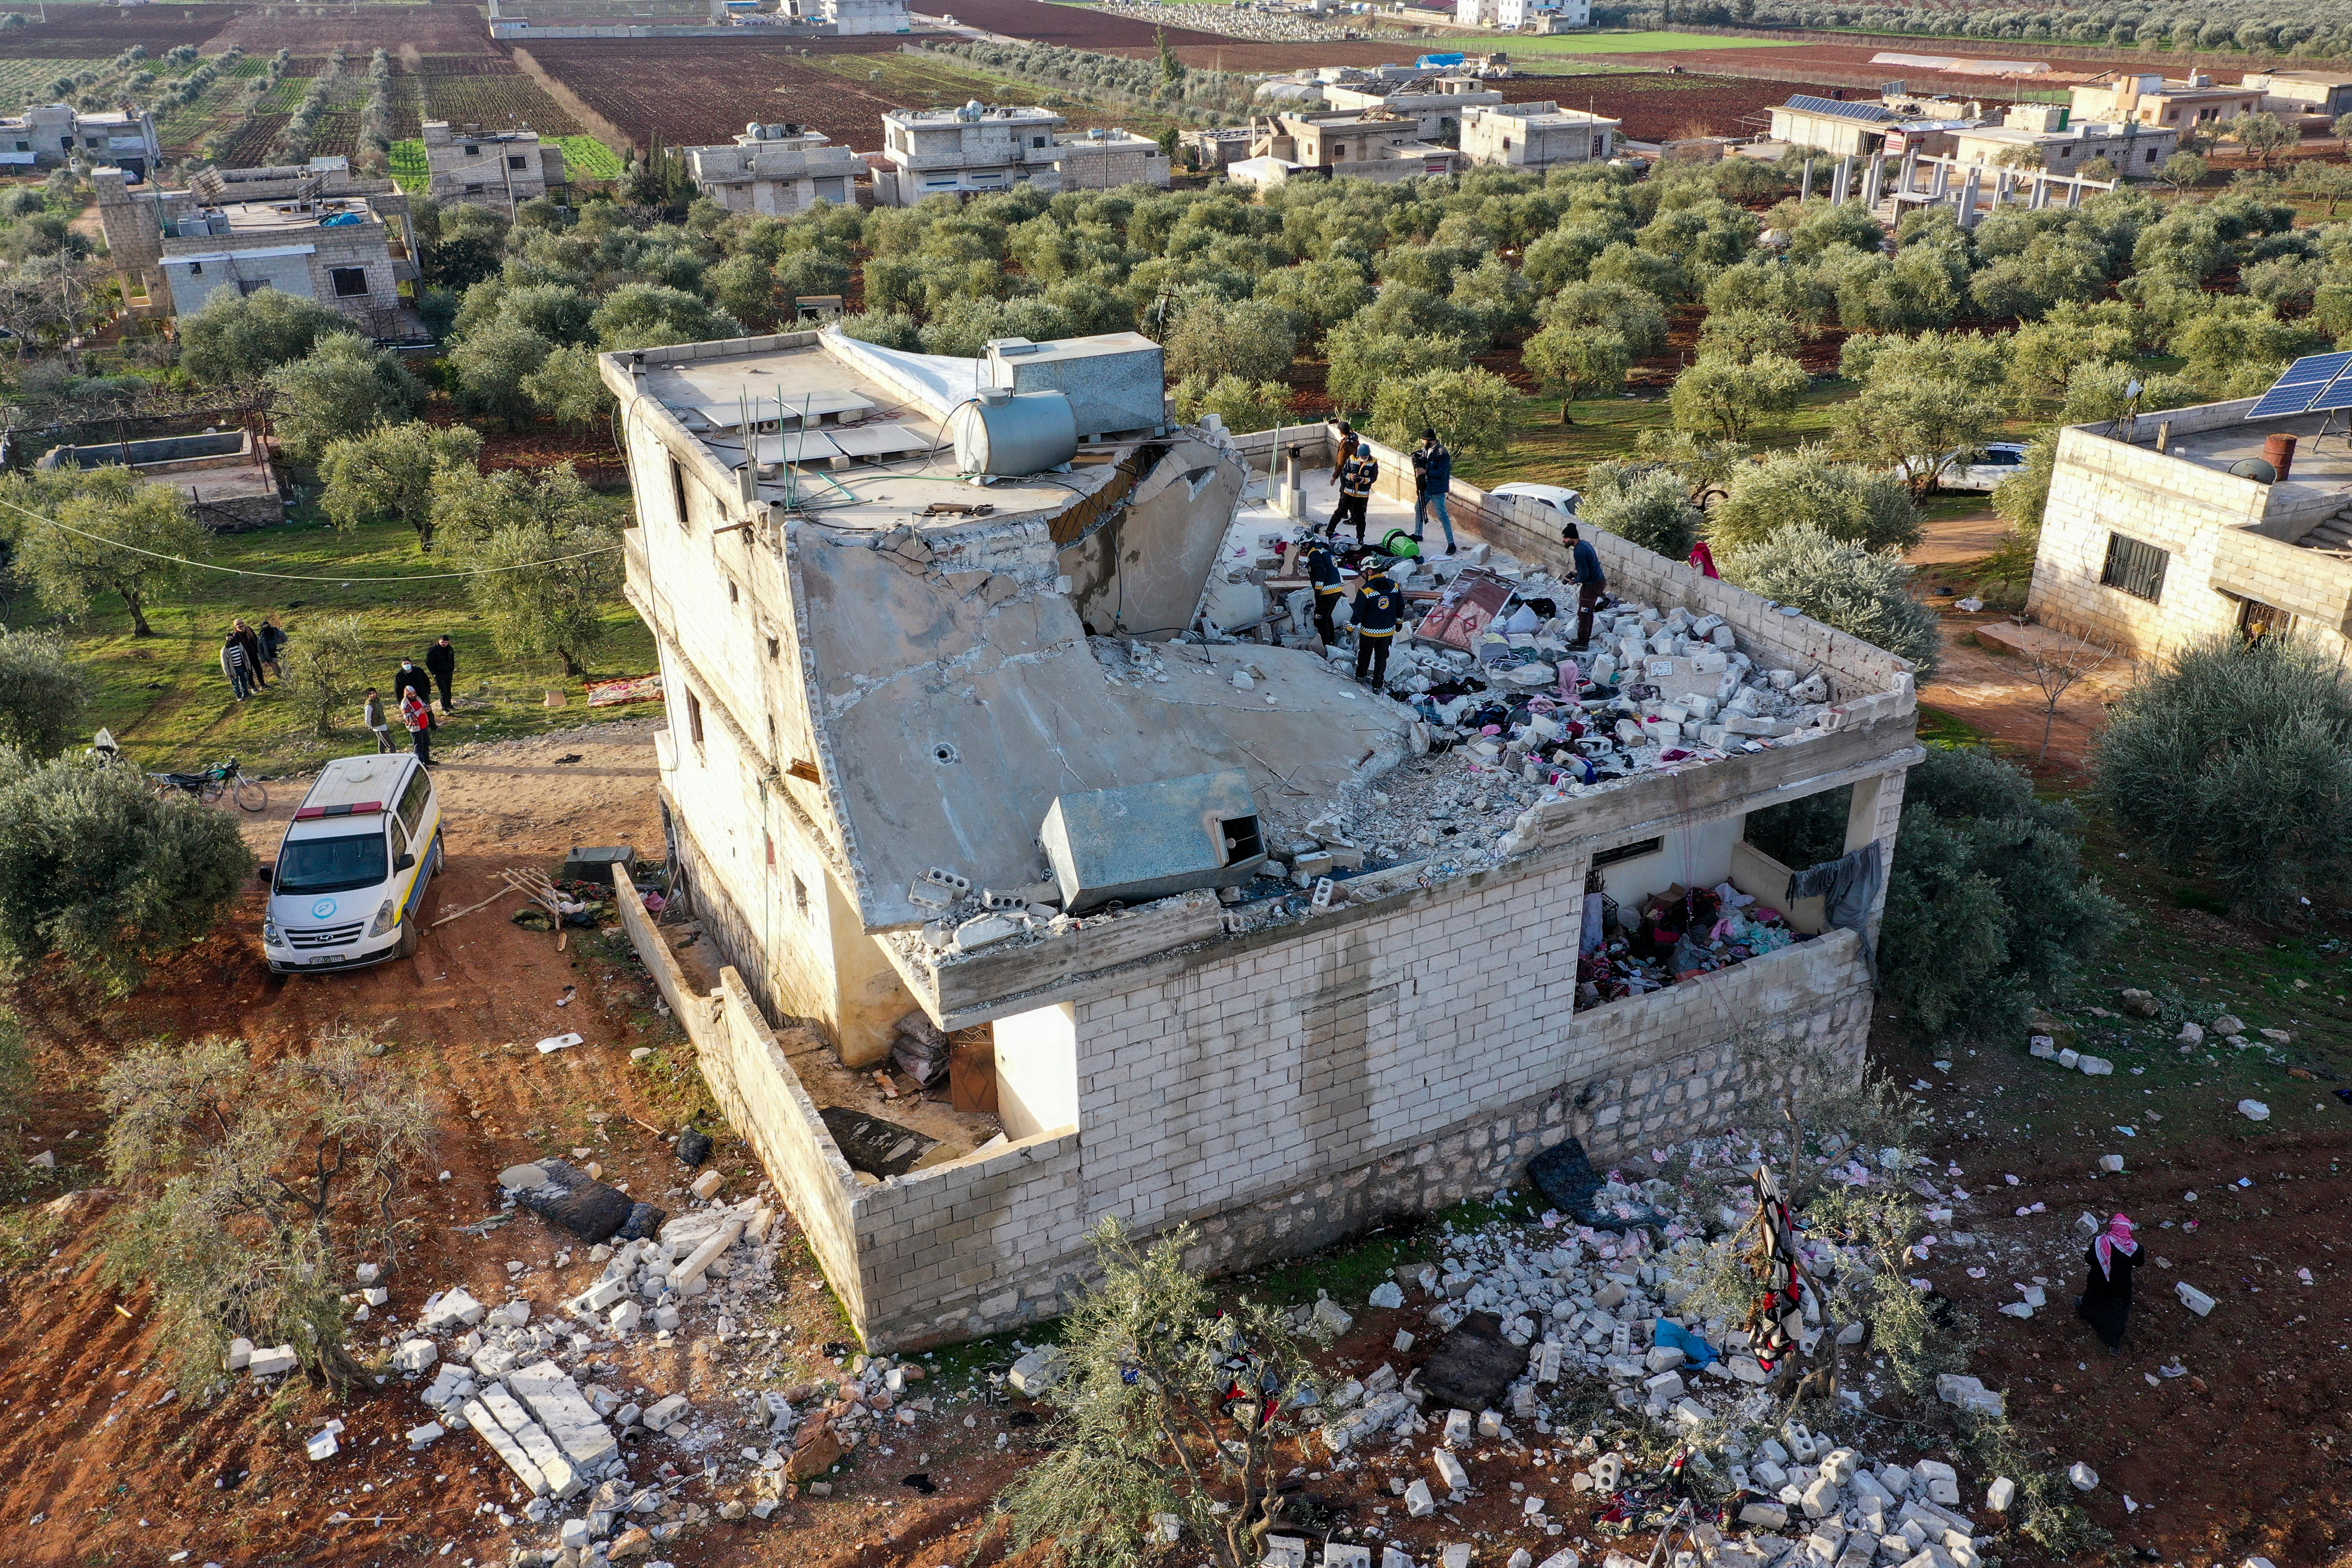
(972, 1069)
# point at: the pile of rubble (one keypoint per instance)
(1266, 23)
(1588, 1304)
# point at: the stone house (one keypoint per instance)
(2197, 523)
(776, 169)
(501, 169)
(312, 231)
(1537, 136)
(50, 135)
(933, 767)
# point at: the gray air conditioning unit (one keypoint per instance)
(1147, 841)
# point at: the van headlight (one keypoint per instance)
(382, 922)
(270, 935)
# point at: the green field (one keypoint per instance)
(166, 701)
(588, 158)
(409, 171)
(1630, 43)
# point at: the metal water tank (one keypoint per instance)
(1007, 434)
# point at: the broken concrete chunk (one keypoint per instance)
(2083, 1477)
(1387, 1294)
(275, 1362)
(707, 1185)
(424, 1436)
(1332, 1318)
(414, 1357)
(2001, 1494)
(1449, 1470)
(2193, 1299)
(451, 1308)
(240, 1354)
(1036, 1371)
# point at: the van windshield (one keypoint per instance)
(331, 864)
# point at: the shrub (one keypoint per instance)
(97, 871)
(1806, 487)
(1148, 1419)
(43, 692)
(342, 387)
(1844, 585)
(1648, 507)
(243, 337)
(1987, 904)
(2233, 759)
(249, 1194)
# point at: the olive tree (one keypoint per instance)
(1806, 486)
(112, 533)
(1726, 396)
(243, 337)
(2232, 758)
(43, 692)
(97, 871)
(1469, 409)
(1218, 338)
(1243, 406)
(249, 1193)
(326, 669)
(546, 565)
(1171, 1403)
(1840, 582)
(568, 388)
(343, 387)
(492, 366)
(388, 473)
(1577, 362)
(1648, 506)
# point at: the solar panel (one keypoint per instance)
(2338, 395)
(2302, 386)
(1811, 104)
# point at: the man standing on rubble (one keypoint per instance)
(1323, 573)
(1433, 474)
(1591, 583)
(1357, 475)
(1379, 607)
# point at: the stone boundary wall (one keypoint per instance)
(988, 1244)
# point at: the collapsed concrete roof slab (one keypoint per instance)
(954, 704)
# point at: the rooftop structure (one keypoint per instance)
(2150, 99)
(2044, 136)
(983, 148)
(2193, 521)
(1220, 935)
(2326, 93)
(50, 135)
(501, 169)
(776, 169)
(313, 231)
(1434, 105)
(1834, 125)
(1371, 144)
(1537, 136)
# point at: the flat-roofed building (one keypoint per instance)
(501, 169)
(776, 169)
(1537, 136)
(2150, 99)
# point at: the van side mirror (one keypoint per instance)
(404, 862)
(266, 872)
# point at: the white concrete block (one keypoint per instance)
(450, 1310)
(424, 1436)
(1449, 1470)
(664, 1414)
(2001, 1494)
(275, 1362)
(2193, 1299)
(1418, 1503)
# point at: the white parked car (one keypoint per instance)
(1983, 470)
(1559, 498)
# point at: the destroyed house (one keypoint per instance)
(941, 774)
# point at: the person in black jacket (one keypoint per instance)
(1323, 572)
(1379, 607)
(441, 658)
(411, 676)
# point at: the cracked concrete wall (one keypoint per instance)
(1142, 572)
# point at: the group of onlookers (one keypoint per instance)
(250, 657)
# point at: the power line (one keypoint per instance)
(291, 577)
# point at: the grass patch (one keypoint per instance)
(1544, 451)
(169, 705)
(1939, 728)
(584, 155)
(410, 169)
(1637, 42)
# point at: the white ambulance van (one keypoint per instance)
(350, 877)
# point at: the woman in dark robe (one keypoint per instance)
(2105, 1301)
